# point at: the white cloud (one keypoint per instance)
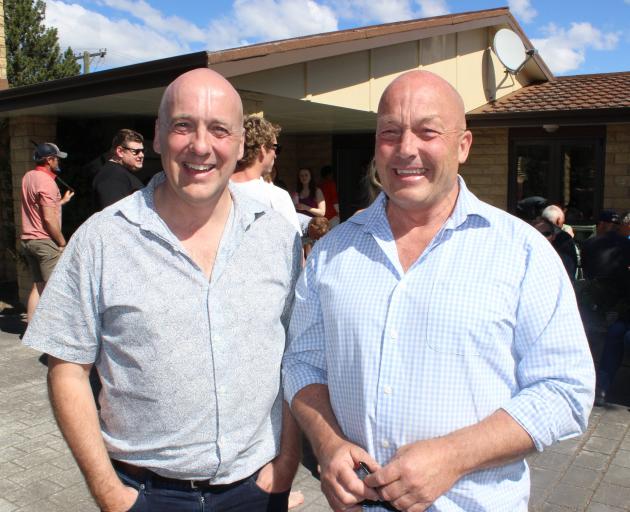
(564, 50)
(154, 19)
(523, 10)
(126, 42)
(373, 11)
(268, 20)
(429, 8)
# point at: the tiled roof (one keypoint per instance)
(566, 93)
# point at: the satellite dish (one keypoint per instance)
(507, 45)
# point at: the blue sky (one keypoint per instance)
(573, 37)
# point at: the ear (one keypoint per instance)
(156, 137)
(241, 145)
(262, 153)
(463, 148)
(119, 152)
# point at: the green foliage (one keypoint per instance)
(33, 53)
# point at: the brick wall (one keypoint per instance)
(617, 173)
(486, 171)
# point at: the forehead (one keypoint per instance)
(417, 100)
(205, 100)
(133, 144)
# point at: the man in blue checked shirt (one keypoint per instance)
(434, 337)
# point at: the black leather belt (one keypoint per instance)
(162, 482)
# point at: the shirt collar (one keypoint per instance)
(374, 218)
(140, 208)
(46, 170)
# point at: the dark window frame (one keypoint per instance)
(566, 135)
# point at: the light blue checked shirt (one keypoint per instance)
(485, 319)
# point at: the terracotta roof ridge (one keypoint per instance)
(593, 75)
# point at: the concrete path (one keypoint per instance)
(37, 472)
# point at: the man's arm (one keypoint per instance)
(50, 220)
(421, 472)
(278, 475)
(75, 411)
(337, 456)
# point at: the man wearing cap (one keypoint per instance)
(42, 239)
(605, 260)
(117, 178)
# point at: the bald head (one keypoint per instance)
(205, 83)
(199, 136)
(553, 214)
(421, 140)
(431, 83)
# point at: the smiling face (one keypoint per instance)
(420, 142)
(199, 135)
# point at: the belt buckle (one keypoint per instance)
(198, 484)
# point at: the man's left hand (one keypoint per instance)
(277, 475)
(66, 197)
(417, 475)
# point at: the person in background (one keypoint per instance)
(329, 190)
(624, 227)
(308, 199)
(434, 338)
(261, 150)
(117, 178)
(42, 240)
(555, 215)
(317, 228)
(562, 242)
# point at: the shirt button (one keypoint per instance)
(387, 390)
(385, 443)
(393, 334)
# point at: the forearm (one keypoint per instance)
(495, 441)
(75, 411)
(52, 227)
(311, 407)
(291, 442)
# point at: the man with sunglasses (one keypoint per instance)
(261, 150)
(117, 179)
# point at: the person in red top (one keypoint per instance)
(329, 189)
(42, 239)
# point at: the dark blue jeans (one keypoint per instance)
(245, 497)
(617, 336)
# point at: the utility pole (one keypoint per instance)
(87, 58)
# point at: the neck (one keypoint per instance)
(405, 219)
(253, 172)
(185, 219)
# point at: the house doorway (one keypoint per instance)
(564, 169)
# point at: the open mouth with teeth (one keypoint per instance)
(419, 171)
(198, 168)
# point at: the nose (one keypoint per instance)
(408, 146)
(200, 143)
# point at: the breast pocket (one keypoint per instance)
(467, 319)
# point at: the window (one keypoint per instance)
(564, 168)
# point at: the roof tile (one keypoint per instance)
(577, 92)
